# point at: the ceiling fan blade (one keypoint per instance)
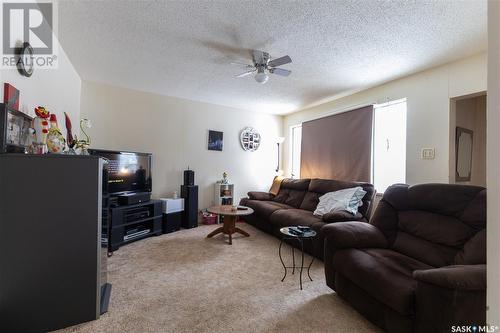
(280, 61)
(241, 64)
(280, 71)
(246, 73)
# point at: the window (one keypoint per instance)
(389, 144)
(296, 141)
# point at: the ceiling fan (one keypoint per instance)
(262, 65)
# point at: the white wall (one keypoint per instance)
(428, 96)
(56, 89)
(493, 164)
(175, 131)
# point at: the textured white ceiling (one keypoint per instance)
(183, 48)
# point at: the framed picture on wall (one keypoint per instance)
(249, 139)
(215, 140)
(463, 146)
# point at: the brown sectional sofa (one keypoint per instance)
(295, 203)
(420, 264)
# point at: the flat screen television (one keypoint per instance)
(127, 171)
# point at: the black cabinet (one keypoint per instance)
(53, 265)
(133, 222)
(172, 222)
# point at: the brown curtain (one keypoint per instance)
(338, 146)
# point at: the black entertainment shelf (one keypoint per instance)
(134, 219)
(135, 222)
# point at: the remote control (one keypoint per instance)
(294, 231)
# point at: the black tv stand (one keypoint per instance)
(133, 222)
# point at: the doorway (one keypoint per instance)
(468, 140)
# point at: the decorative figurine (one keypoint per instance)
(70, 139)
(55, 139)
(224, 178)
(83, 145)
(30, 143)
(41, 127)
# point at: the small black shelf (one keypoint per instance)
(120, 214)
(135, 222)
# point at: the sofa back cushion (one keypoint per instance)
(474, 251)
(318, 187)
(433, 222)
(292, 191)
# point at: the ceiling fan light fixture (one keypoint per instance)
(262, 66)
(261, 76)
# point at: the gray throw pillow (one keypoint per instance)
(349, 199)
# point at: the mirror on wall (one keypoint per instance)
(463, 154)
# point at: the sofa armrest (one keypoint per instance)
(458, 277)
(254, 195)
(341, 216)
(342, 235)
(354, 234)
(451, 295)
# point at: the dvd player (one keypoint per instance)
(133, 198)
(136, 234)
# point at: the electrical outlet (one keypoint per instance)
(428, 153)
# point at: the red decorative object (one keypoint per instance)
(70, 140)
(42, 112)
(11, 96)
(53, 120)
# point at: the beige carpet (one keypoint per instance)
(184, 282)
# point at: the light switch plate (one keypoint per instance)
(428, 153)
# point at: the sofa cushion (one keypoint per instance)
(292, 192)
(255, 195)
(464, 202)
(432, 222)
(435, 228)
(474, 251)
(433, 254)
(474, 214)
(295, 217)
(264, 209)
(294, 197)
(341, 216)
(311, 200)
(296, 184)
(380, 272)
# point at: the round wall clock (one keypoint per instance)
(250, 139)
(25, 63)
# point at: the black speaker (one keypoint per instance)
(190, 216)
(188, 177)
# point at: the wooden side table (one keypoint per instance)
(230, 215)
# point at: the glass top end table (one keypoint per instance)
(300, 234)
